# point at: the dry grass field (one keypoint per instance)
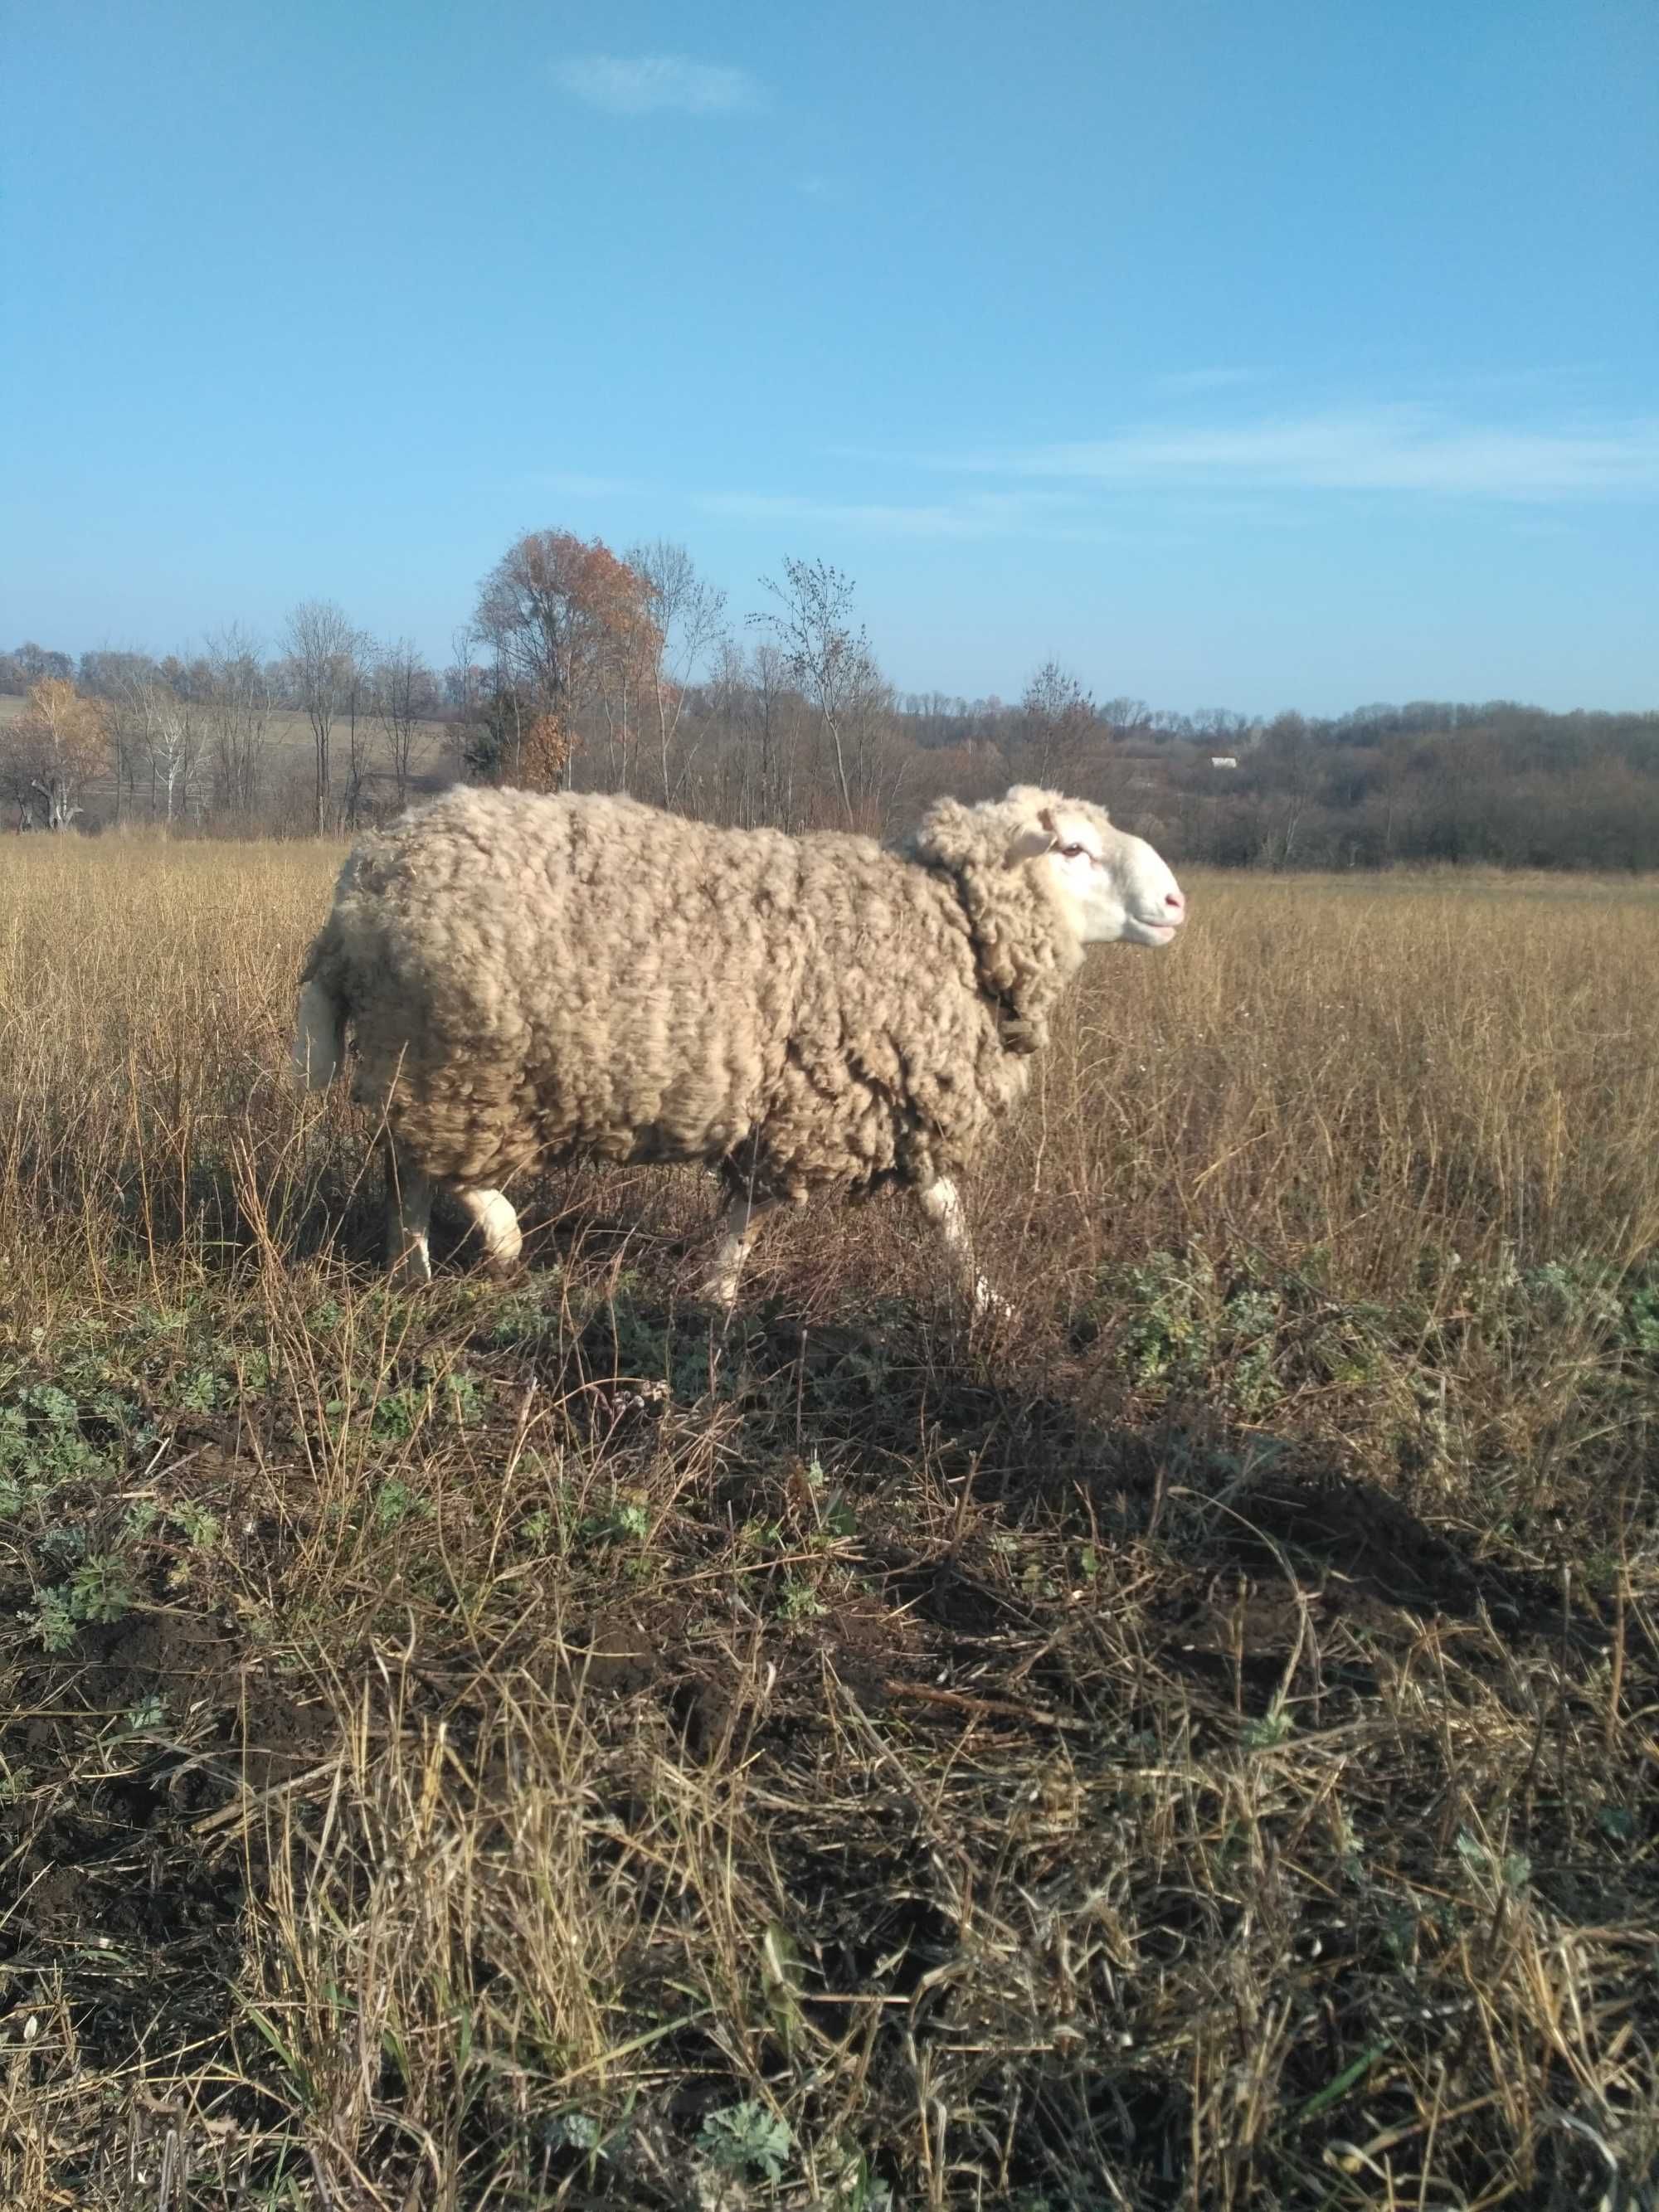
(1193, 1742)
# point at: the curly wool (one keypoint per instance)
(532, 978)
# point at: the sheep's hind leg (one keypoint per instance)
(941, 1201)
(496, 1223)
(740, 1226)
(408, 1218)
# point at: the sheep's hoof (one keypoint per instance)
(502, 1261)
(495, 1226)
(719, 1288)
(989, 1304)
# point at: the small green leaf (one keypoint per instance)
(1343, 2083)
(747, 2138)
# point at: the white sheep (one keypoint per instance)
(531, 979)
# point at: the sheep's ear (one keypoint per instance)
(1032, 841)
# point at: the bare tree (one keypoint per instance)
(163, 731)
(324, 669)
(236, 707)
(174, 751)
(1220, 726)
(117, 676)
(129, 733)
(30, 662)
(111, 671)
(357, 708)
(686, 613)
(405, 694)
(831, 664)
(1127, 716)
(620, 683)
(749, 688)
(1056, 718)
(1289, 750)
(1395, 763)
(780, 718)
(463, 686)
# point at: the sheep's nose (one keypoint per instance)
(1177, 904)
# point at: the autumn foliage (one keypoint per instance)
(53, 751)
(543, 754)
(572, 632)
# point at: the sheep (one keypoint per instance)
(534, 978)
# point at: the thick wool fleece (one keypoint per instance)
(533, 977)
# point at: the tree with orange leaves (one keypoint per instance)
(53, 751)
(571, 631)
(543, 755)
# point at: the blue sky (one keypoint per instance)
(1251, 353)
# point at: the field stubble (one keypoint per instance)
(1189, 1742)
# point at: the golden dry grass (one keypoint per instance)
(1192, 1743)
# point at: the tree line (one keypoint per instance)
(580, 667)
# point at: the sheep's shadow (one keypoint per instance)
(1355, 1534)
(893, 1381)
(875, 1396)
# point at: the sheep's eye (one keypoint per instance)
(1072, 851)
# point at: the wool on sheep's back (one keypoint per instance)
(535, 977)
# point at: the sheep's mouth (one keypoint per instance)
(1161, 933)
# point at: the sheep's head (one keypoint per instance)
(1114, 887)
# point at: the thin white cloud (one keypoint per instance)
(979, 515)
(881, 520)
(655, 84)
(1389, 449)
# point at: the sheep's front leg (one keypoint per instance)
(941, 1201)
(408, 1218)
(496, 1223)
(739, 1226)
